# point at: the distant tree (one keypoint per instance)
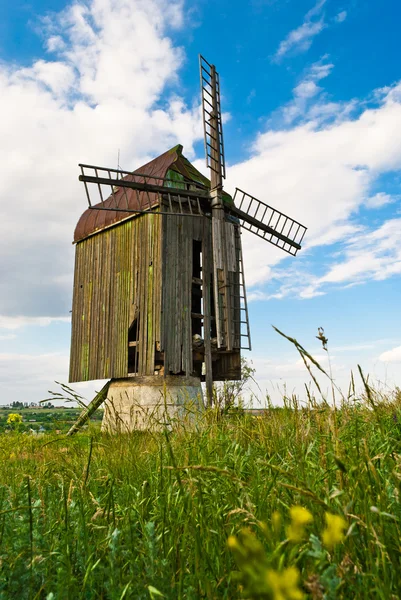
(17, 404)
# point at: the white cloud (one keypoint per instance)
(391, 356)
(27, 377)
(320, 172)
(300, 39)
(13, 323)
(378, 200)
(108, 87)
(341, 16)
(305, 104)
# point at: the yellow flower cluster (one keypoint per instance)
(14, 418)
(334, 532)
(284, 584)
(300, 518)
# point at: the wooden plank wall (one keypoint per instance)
(141, 269)
(117, 277)
(176, 331)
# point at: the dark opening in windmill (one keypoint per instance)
(159, 289)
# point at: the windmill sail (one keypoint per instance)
(214, 149)
(268, 223)
(212, 121)
(123, 191)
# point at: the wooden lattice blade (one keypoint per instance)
(212, 120)
(267, 223)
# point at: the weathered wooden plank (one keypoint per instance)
(230, 246)
(149, 310)
(107, 291)
(76, 328)
(93, 324)
(206, 280)
(112, 315)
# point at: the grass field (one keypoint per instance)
(209, 510)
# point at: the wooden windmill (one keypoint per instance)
(159, 290)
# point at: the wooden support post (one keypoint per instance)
(221, 277)
(90, 409)
(206, 271)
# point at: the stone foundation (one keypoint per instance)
(150, 402)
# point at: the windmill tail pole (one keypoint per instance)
(90, 409)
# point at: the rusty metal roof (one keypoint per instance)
(92, 221)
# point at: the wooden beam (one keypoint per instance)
(144, 187)
(252, 221)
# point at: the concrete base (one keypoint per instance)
(148, 403)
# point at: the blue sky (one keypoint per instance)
(311, 92)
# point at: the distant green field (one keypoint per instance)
(47, 419)
(298, 503)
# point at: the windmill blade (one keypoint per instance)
(212, 122)
(267, 222)
(122, 191)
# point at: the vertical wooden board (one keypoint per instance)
(88, 285)
(187, 337)
(76, 318)
(93, 311)
(107, 304)
(119, 317)
(166, 299)
(183, 269)
(118, 233)
(121, 291)
(150, 356)
(206, 280)
(178, 297)
(171, 312)
(140, 295)
(143, 299)
(157, 277)
(103, 304)
(76, 327)
(126, 286)
(163, 297)
(218, 236)
(111, 316)
(165, 292)
(230, 246)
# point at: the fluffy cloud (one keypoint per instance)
(99, 93)
(391, 356)
(319, 167)
(378, 200)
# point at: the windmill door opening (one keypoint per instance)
(133, 347)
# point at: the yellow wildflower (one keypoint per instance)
(300, 517)
(334, 532)
(232, 542)
(284, 585)
(276, 521)
(14, 418)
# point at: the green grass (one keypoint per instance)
(145, 514)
